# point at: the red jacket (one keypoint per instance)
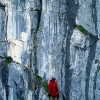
(53, 88)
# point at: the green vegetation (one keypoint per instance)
(96, 61)
(81, 29)
(2, 6)
(8, 59)
(35, 42)
(38, 77)
(41, 83)
(28, 69)
(35, 36)
(45, 87)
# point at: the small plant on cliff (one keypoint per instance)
(45, 87)
(28, 69)
(2, 6)
(41, 83)
(97, 61)
(38, 77)
(81, 29)
(8, 59)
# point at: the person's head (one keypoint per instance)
(53, 78)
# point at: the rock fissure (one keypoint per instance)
(95, 80)
(40, 39)
(88, 69)
(35, 37)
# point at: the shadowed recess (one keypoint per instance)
(72, 7)
(88, 67)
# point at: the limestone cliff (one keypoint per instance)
(44, 38)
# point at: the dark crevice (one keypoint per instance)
(35, 36)
(72, 9)
(5, 74)
(36, 95)
(35, 31)
(88, 67)
(94, 15)
(29, 78)
(6, 27)
(20, 88)
(5, 59)
(95, 80)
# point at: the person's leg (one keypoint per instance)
(51, 98)
(55, 98)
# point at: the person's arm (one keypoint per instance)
(58, 89)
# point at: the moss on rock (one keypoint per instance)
(2, 6)
(8, 59)
(81, 29)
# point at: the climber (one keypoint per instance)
(53, 89)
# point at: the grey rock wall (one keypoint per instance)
(41, 36)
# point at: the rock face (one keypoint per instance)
(49, 38)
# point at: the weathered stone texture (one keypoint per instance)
(41, 38)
